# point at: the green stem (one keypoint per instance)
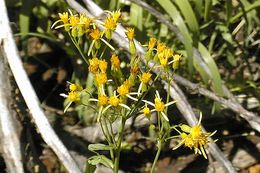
(78, 48)
(159, 145)
(118, 147)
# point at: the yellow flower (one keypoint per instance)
(116, 15)
(194, 138)
(114, 101)
(93, 65)
(146, 77)
(115, 62)
(130, 33)
(160, 47)
(74, 20)
(147, 112)
(158, 105)
(188, 141)
(64, 17)
(163, 61)
(74, 96)
(196, 131)
(102, 65)
(123, 90)
(176, 61)
(101, 78)
(95, 34)
(102, 100)
(151, 43)
(73, 87)
(85, 21)
(168, 53)
(110, 23)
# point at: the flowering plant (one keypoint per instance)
(120, 93)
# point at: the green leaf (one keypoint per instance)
(24, 16)
(90, 168)
(172, 11)
(208, 5)
(100, 159)
(136, 16)
(229, 10)
(190, 18)
(214, 76)
(97, 147)
(163, 31)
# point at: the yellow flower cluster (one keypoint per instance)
(194, 138)
(74, 94)
(124, 89)
(146, 77)
(158, 105)
(99, 68)
(115, 62)
(80, 24)
(111, 22)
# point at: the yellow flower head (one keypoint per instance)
(168, 52)
(74, 20)
(196, 131)
(146, 77)
(116, 15)
(85, 21)
(195, 138)
(160, 47)
(101, 78)
(163, 61)
(74, 96)
(188, 141)
(152, 43)
(95, 34)
(93, 65)
(146, 111)
(158, 105)
(74, 87)
(176, 61)
(114, 101)
(115, 62)
(102, 100)
(123, 90)
(130, 33)
(110, 23)
(64, 17)
(102, 65)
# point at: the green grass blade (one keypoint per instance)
(208, 5)
(190, 18)
(248, 8)
(228, 11)
(136, 16)
(215, 76)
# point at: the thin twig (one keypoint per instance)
(119, 37)
(28, 93)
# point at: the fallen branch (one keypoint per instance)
(10, 143)
(28, 93)
(119, 37)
